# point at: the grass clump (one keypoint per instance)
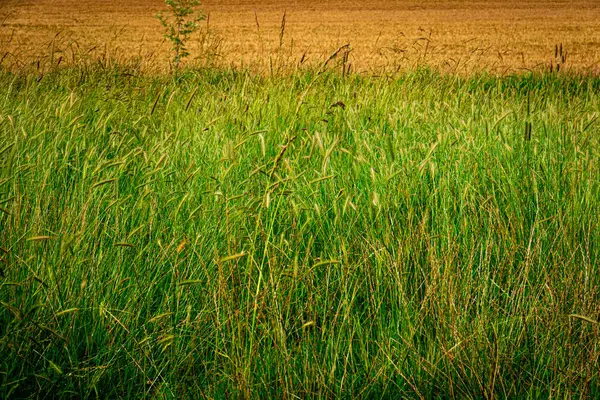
(309, 235)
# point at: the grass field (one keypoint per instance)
(257, 227)
(313, 235)
(500, 36)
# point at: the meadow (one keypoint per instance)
(309, 235)
(297, 230)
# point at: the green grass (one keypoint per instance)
(231, 235)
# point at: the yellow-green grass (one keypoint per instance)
(313, 235)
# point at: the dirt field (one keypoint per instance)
(461, 35)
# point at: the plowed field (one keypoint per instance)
(458, 35)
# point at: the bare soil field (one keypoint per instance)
(463, 35)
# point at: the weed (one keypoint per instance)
(179, 25)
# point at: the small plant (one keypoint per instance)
(181, 23)
(560, 58)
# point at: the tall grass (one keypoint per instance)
(232, 235)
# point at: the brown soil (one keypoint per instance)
(460, 35)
